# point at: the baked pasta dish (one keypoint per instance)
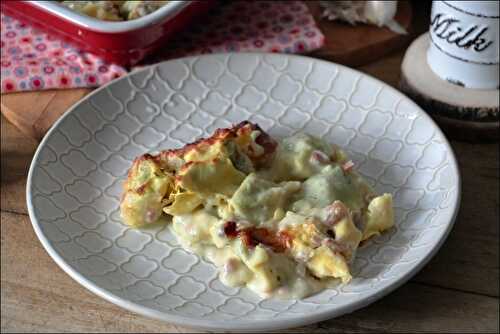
(283, 219)
(114, 10)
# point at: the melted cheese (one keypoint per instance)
(265, 272)
(307, 211)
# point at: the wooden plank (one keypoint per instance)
(386, 70)
(37, 295)
(415, 308)
(52, 313)
(17, 152)
(35, 112)
(469, 259)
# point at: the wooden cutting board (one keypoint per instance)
(361, 44)
(34, 112)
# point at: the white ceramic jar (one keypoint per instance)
(464, 42)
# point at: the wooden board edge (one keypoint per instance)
(463, 130)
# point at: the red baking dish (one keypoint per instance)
(123, 43)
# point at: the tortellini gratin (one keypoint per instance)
(114, 10)
(283, 219)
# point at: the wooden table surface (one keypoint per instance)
(456, 292)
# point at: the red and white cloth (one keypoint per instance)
(34, 60)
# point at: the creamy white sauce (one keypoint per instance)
(292, 196)
(294, 281)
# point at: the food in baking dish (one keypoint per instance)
(283, 219)
(114, 10)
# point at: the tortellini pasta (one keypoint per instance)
(283, 219)
(114, 10)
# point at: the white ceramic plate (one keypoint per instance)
(75, 179)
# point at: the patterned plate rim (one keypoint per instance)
(242, 325)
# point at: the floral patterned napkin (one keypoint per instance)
(34, 60)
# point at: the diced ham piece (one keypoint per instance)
(231, 265)
(318, 157)
(253, 236)
(151, 216)
(347, 167)
(336, 212)
(335, 246)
